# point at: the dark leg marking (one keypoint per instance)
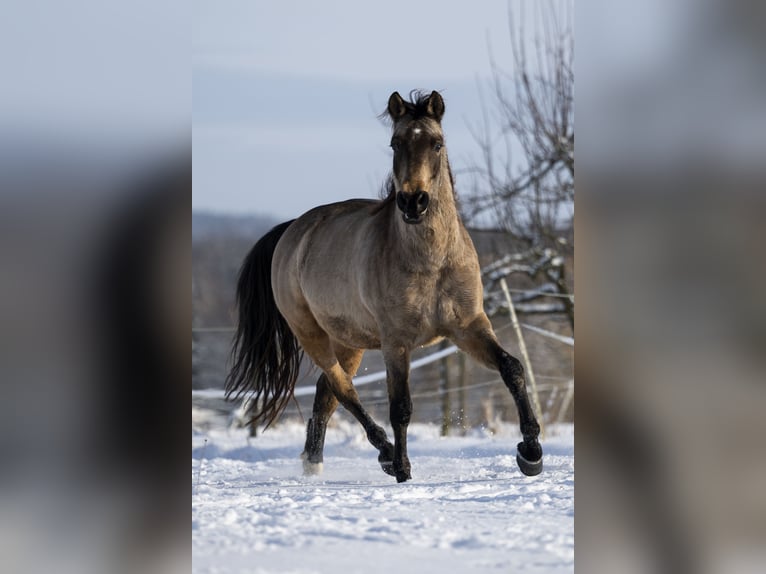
(325, 404)
(479, 341)
(375, 433)
(400, 407)
(530, 454)
(400, 412)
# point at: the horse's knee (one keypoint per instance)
(511, 370)
(401, 411)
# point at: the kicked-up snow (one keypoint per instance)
(467, 509)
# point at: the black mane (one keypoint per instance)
(416, 107)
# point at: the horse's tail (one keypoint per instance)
(266, 356)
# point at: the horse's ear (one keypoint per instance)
(396, 107)
(435, 106)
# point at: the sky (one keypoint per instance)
(80, 67)
(286, 94)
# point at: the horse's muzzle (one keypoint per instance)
(412, 205)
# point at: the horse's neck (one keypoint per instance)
(438, 237)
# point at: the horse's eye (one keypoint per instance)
(395, 146)
(438, 146)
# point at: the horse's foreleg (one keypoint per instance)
(479, 341)
(530, 454)
(398, 370)
(325, 404)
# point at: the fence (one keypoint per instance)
(447, 391)
(553, 386)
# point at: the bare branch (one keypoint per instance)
(535, 110)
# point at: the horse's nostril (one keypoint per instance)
(412, 205)
(422, 201)
(401, 201)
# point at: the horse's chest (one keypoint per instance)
(438, 302)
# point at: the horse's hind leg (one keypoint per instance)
(325, 404)
(346, 393)
(339, 365)
(479, 341)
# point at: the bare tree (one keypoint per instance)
(524, 181)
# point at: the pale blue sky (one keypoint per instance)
(286, 93)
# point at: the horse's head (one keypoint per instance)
(420, 161)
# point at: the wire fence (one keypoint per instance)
(553, 387)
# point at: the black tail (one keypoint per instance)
(266, 356)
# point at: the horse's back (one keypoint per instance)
(320, 264)
(326, 232)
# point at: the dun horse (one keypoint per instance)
(364, 274)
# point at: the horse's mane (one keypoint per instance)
(387, 194)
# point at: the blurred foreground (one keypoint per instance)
(94, 308)
(95, 192)
(670, 272)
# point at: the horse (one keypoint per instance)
(391, 274)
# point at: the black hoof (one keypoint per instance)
(529, 467)
(388, 467)
(403, 476)
(386, 459)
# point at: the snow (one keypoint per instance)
(467, 509)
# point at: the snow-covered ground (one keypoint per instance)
(467, 509)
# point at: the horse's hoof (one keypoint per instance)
(529, 467)
(403, 476)
(311, 468)
(388, 467)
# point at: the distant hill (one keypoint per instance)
(209, 225)
(206, 225)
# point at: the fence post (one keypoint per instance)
(525, 356)
(252, 426)
(566, 401)
(445, 388)
(463, 393)
(561, 286)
